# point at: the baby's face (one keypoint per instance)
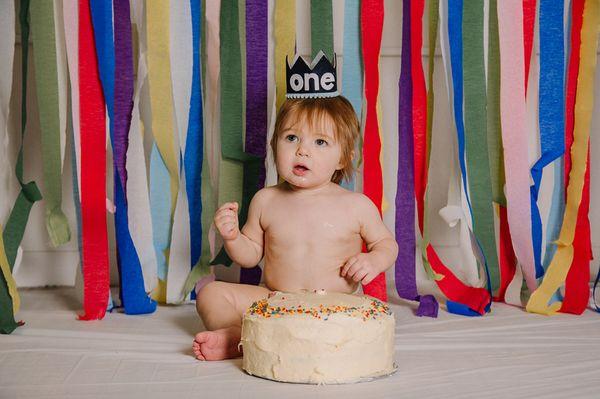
(308, 154)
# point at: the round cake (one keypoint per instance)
(318, 337)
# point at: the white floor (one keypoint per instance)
(508, 353)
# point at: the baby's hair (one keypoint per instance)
(313, 110)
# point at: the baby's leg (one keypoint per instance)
(221, 306)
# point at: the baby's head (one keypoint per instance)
(326, 119)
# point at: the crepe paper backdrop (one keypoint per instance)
(195, 119)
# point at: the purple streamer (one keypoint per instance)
(256, 80)
(123, 103)
(256, 101)
(406, 283)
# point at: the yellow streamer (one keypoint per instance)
(10, 281)
(285, 40)
(559, 267)
(161, 96)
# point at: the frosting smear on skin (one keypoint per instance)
(318, 337)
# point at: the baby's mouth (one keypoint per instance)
(300, 170)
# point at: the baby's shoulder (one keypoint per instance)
(264, 195)
(353, 199)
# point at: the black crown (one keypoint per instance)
(319, 79)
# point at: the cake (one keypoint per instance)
(318, 337)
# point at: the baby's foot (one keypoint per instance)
(218, 344)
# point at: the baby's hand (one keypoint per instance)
(226, 221)
(360, 268)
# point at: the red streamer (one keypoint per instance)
(528, 25)
(475, 298)
(419, 106)
(576, 284)
(371, 18)
(93, 173)
(508, 260)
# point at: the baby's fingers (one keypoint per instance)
(360, 275)
(347, 265)
(229, 205)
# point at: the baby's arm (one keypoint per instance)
(244, 247)
(381, 245)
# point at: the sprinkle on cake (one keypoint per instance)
(263, 309)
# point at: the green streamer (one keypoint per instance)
(321, 27)
(236, 168)
(29, 194)
(7, 319)
(433, 31)
(494, 129)
(44, 55)
(478, 165)
(433, 17)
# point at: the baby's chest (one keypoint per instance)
(312, 228)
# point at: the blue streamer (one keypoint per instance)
(132, 290)
(194, 148)
(352, 71)
(160, 209)
(552, 110)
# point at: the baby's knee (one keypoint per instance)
(211, 296)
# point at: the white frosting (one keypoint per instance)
(318, 338)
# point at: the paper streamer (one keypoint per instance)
(47, 85)
(321, 27)
(371, 32)
(194, 147)
(451, 32)
(7, 47)
(202, 273)
(551, 110)
(139, 215)
(161, 97)
(133, 293)
(529, 9)
(419, 107)
(182, 60)
(559, 267)
(572, 74)
(93, 178)
(506, 257)
(514, 137)
(9, 297)
(256, 106)
(405, 279)
(232, 131)
(29, 194)
(576, 285)
(285, 43)
(164, 160)
(478, 164)
(352, 75)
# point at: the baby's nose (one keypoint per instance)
(302, 151)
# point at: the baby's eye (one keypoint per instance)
(291, 138)
(320, 142)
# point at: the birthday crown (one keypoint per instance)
(318, 79)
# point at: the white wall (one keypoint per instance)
(44, 265)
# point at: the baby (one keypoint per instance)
(309, 229)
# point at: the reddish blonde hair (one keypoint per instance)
(313, 110)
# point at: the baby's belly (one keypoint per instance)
(308, 271)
